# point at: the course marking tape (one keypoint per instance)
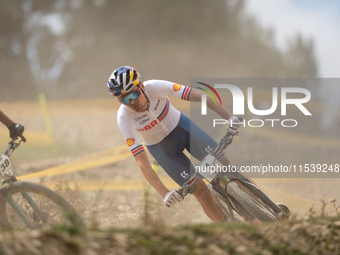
(102, 158)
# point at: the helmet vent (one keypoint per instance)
(129, 87)
(127, 77)
(134, 75)
(123, 79)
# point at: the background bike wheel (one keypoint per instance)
(253, 205)
(54, 209)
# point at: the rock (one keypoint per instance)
(336, 223)
(122, 239)
(214, 249)
(241, 249)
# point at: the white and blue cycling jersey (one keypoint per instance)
(165, 131)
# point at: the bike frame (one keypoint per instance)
(11, 147)
(219, 181)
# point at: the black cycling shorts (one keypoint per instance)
(169, 152)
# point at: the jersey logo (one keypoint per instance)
(157, 104)
(177, 87)
(208, 149)
(184, 175)
(130, 141)
(149, 126)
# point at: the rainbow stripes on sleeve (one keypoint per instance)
(186, 93)
(138, 149)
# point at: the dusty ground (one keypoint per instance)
(92, 125)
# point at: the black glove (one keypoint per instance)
(16, 130)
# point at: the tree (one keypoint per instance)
(300, 59)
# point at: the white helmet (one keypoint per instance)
(123, 79)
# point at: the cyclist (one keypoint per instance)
(166, 132)
(15, 129)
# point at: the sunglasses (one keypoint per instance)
(126, 100)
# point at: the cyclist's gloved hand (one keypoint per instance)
(16, 130)
(233, 125)
(172, 198)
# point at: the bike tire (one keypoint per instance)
(254, 206)
(222, 201)
(55, 210)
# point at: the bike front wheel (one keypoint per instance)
(252, 204)
(223, 203)
(26, 205)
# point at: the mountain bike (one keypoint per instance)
(28, 205)
(239, 197)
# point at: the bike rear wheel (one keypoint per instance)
(26, 205)
(252, 204)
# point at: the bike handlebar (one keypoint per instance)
(22, 138)
(12, 145)
(190, 185)
(225, 141)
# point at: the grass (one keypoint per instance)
(296, 237)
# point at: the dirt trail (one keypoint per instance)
(93, 125)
